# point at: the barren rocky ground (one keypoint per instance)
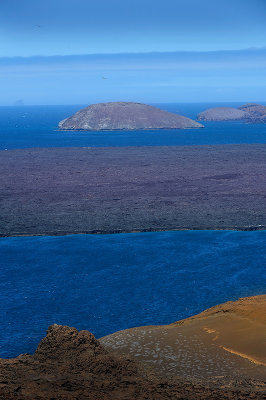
(125, 116)
(72, 365)
(250, 112)
(105, 190)
(225, 341)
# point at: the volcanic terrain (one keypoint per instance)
(250, 112)
(124, 189)
(218, 354)
(125, 116)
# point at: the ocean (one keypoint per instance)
(105, 283)
(36, 126)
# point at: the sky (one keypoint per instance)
(83, 51)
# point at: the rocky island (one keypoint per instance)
(218, 354)
(250, 112)
(255, 112)
(221, 114)
(125, 116)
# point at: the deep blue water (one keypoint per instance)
(104, 283)
(36, 126)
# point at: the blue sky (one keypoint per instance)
(148, 50)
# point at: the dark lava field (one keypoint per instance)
(58, 191)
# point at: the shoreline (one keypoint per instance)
(94, 147)
(117, 232)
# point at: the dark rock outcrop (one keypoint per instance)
(125, 116)
(222, 114)
(67, 365)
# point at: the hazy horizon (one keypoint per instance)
(263, 102)
(78, 52)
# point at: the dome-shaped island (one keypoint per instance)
(125, 116)
(222, 114)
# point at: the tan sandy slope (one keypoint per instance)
(225, 340)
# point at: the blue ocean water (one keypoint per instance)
(36, 126)
(105, 283)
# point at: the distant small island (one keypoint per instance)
(19, 103)
(251, 112)
(254, 112)
(125, 116)
(221, 114)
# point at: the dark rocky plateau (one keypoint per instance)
(107, 190)
(72, 365)
(74, 190)
(125, 116)
(251, 112)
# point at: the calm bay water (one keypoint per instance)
(105, 283)
(36, 126)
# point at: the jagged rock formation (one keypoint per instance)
(221, 114)
(251, 112)
(125, 116)
(74, 365)
(66, 365)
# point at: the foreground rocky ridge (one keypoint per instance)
(125, 116)
(250, 112)
(74, 365)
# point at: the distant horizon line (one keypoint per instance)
(251, 49)
(146, 102)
